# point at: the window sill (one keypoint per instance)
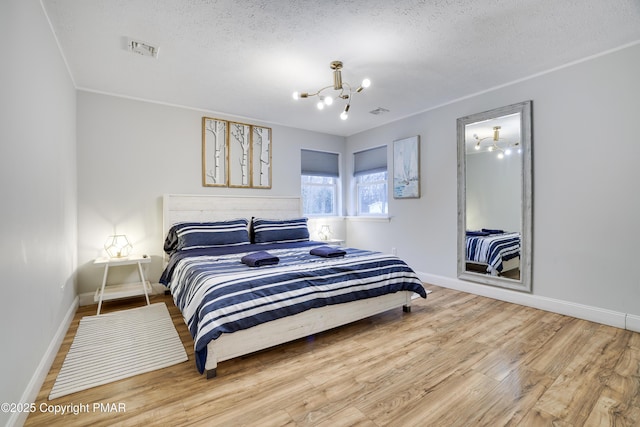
(326, 217)
(371, 218)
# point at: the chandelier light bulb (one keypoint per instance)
(366, 83)
(345, 114)
(328, 100)
(500, 156)
(507, 152)
(320, 105)
(296, 95)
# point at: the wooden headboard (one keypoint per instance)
(202, 208)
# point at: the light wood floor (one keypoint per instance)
(455, 360)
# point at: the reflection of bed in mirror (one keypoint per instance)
(494, 252)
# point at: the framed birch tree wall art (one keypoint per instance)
(235, 154)
(239, 155)
(261, 157)
(214, 152)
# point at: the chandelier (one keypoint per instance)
(346, 91)
(502, 147)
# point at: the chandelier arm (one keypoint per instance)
(320, 90)
(479, 140)
(342, 95)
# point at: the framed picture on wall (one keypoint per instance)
(261, 157)
(239, 164)
(214, 152)
(235, 154)
(406, 168)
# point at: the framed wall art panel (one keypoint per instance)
(214, 152)
(261, 157)
(406, 168)
(239, 155)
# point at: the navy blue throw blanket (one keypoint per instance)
(477, 233)
(258, 259)
(493, 231)
(327, 252)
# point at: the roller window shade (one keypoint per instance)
(319, 163)
(370, 161)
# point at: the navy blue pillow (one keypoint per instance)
(280, 230)
(191, 235)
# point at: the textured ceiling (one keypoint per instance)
(246, 58)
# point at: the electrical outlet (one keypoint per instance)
(394, 251)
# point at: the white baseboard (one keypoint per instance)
(633, 323)
(35, 384)
(581, 311)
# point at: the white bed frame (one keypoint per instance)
(199, 208)
(507, 266)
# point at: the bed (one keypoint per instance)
(281, 292)
(494, 251)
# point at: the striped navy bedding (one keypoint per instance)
(218, 294)
(493, 249)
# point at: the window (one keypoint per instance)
(370, 171)
(319, 195)
(372, 193)
(319, 182)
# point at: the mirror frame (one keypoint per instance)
(524, 284)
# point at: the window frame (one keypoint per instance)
(324, 165)
(367, 162)
(359, 185)
(335, 189)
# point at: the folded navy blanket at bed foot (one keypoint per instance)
(493, 231)
(327, 251)
(477, 233)
(257, 259)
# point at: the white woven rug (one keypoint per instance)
(118, 345)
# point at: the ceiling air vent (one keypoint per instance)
(379, 111)
(143, 49)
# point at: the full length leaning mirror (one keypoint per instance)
(494, 197)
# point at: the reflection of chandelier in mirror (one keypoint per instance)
(504, 148)
(338, 84)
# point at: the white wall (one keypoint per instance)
(38, 249)
(586, 200)
(131, 152)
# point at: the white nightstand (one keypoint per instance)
(126, 290)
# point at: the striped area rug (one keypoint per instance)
(118, 345)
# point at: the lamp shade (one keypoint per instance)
(117, 246)
(325, 232)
